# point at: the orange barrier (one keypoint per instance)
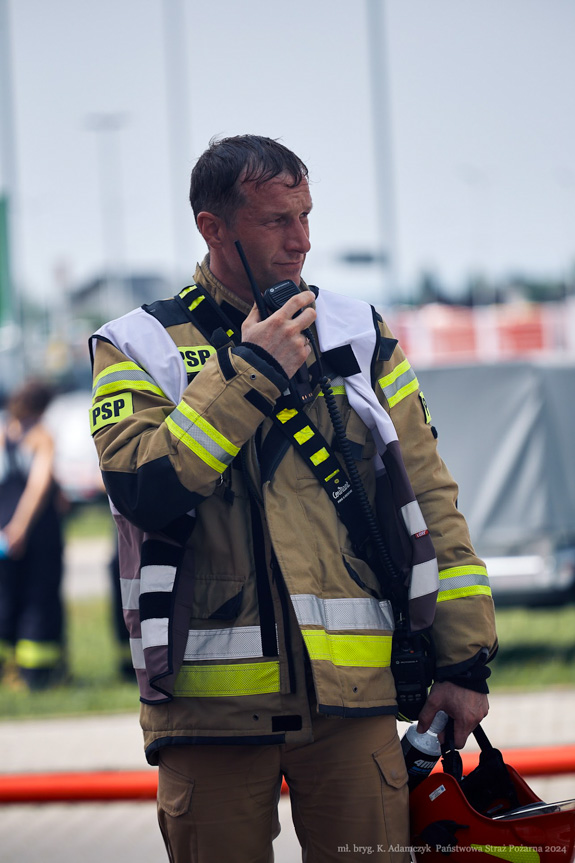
(142, 784)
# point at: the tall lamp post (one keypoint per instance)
(384, 186)
(117, 297)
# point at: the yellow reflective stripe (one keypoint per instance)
(459, 581)
(208, 429)
(196, 447)
(411, 387)
(286, 414)
(337, 391)
(121, 377)
(185, 291)
(195, 303)
(117, 367)
(458, 571)
(214, 681)
(303, 435)
(399, 383)
(357, 651)
(391, 378)
(512, 853)
(123, 385)
(319, 456)
(459, 592)
(37, 654)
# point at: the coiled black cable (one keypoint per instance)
(351, 467)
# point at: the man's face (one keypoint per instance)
(272, 226)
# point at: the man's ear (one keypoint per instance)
(211, 228)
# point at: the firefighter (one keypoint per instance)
(31, 614)
(281, 509)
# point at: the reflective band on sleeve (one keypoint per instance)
(237, 642)
(130, 590)
(460, 581)
(201, 437)
(137, 651)
(205, 681)
(155, 632)
(334, 614)
(157, 577)
(124, 376)
(399, 383)
(413, 518)
(37, 654)
(355, 651)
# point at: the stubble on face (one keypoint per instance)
(272, 226)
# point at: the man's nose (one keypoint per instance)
(298, 238)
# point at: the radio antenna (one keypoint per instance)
(259, 300)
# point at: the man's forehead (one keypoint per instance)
(279, 190)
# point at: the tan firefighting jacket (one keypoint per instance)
(239, 581)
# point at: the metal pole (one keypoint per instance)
(117, 297)
(384, 186)
(180, 151)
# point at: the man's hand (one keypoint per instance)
(466, 708)
(281, 334)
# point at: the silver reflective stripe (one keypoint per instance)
(397, 380)
(424, 579)
(467, 580)
(124, 377)
(413, 518)
(130, 590)
(137, 652)
(334, 614)
(237, 642)
(157, 577)
(155, 632)
(192, 430)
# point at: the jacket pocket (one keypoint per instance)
(174, 789)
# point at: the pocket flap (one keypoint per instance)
(174, 790)
(391, 764)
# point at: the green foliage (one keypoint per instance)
(89, 521)
(93, 683)
(536, 648)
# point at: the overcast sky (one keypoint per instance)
(482, 130)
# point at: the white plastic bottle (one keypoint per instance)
(422, 751)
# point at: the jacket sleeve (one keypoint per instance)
(160, 458)
(464, 629)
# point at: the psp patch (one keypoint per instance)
(111, 411)
(195, 356)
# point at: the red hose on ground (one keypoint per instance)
(142, 784)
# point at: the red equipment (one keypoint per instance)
(487, 815)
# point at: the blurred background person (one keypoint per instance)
(31, 566)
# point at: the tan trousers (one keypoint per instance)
(348, 793)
